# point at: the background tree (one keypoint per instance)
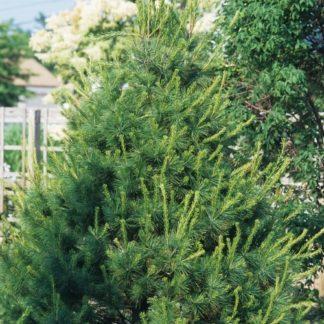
(13, 48)
(41, 19)
(276, 49)
(149, 218)
(275, 58)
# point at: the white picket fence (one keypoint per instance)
(36, 124)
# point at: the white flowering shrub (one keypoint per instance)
(73, 39)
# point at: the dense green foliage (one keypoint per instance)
(149, 217)
(13, 47)
(275, 54)
(276, 50)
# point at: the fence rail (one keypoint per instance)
(36, 124)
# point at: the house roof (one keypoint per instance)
(40, 75)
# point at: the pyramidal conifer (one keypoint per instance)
(147, 218)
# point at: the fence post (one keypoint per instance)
(32, 146)
(37, 135)
(31, 141)
(45, 134)
(24, 147)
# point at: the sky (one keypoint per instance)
(24, 11)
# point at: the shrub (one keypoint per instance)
(148, 219)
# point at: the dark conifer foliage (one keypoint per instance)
(147, 219)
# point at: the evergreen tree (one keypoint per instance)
(148, 219)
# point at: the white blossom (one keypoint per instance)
(205, 23)
(57, 21)
(40, 40)
(94, 52)
(95, 85)
(90, 14)
(79, 63)
(66, 105)
(125, 86)
(121, 9)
